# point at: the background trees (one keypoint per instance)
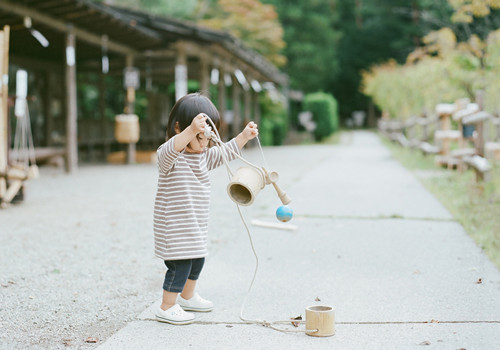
(325, 45)
(455, 61)
(311, 40)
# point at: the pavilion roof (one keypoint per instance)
(127, 32)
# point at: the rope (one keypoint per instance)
(269, 324)
(23, 139)
(218, 142)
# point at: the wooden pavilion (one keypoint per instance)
(88, 62)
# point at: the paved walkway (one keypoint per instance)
(76, 260)
(371, 242)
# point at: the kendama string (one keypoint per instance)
(213, 134)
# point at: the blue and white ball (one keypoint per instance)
(284, 213)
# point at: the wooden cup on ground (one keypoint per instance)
(320, 321)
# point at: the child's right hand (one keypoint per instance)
(198, 124)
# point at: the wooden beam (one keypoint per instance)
(162, 53)
(71, 100)
(61, 26)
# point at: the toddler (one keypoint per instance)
(181, 208)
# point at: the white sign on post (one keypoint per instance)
(70, 56)
(131, 78)
(214, 76)
(21, 93)
(181, 88)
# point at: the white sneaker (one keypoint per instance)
(174, 315)
(196, 303)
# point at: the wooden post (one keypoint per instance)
(46, 96)
(221, 101)
(4, 109)
(204, 75)
(130, 98)
(181, 73)
(256, 107)
(445, 126)
(247, 97)
(129, 109)
(71, 100)
(236, 125)
(482, 127)
(102, 112)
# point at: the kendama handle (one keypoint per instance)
(281, 194)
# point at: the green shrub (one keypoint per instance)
(266, 132)
(324, 109)
(273, 124)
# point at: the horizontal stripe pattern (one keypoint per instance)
(181, 209)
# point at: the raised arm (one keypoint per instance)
(184, 137)
(251, 131)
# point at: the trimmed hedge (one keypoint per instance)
(324, 109)
(273, 124)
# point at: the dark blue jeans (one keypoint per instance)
(179, 271)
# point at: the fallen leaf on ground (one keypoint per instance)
(67, 342)
(425, 343)
(298, 318)
(317, 299)
(91, 340)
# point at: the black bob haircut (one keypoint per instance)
(188, 107)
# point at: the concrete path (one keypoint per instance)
(371, 241)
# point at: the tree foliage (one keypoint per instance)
(374, 32)
(442, 70)
(466, 10)
(311, 40)
(256, 24)
(326, 45)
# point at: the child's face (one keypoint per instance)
(198, 144)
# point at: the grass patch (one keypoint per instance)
(305, 138)
(475, 205)
(333, 139)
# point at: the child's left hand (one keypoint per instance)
(251, 131)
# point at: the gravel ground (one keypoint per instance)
(76, 259)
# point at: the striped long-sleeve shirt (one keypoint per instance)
(182, 201)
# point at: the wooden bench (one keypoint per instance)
(47, 155)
